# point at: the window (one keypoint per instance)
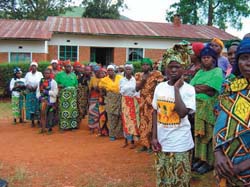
(135, 54)
(68, 53)
(20, 57)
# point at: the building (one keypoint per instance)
(102, 40)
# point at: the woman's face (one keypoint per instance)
(54, 65)
(128, 71)
(102, 74)
(231, 54)
(244, 65)
(68, 68)
(207, 62)
(33, 68)
(216, 47)
(18, 74)
(47, 73)
(145, 67)
(111, 72)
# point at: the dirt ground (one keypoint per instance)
(73, 159)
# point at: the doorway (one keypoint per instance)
(102, 55)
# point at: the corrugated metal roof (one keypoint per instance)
(24, 29)
(43, 30)
(134, 28)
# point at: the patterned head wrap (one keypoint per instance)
(179, 53)
(147, 61)
(17, 70)
(219, 42)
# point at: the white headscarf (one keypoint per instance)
(111, 67)
(34, 63)
(129, 65)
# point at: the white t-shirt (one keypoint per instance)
(127, 87)
(33, 79)
(173, 132)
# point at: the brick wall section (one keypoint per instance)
(53, 52)
(154, 54)
(84, 54)
(119, 56)
(3, 57)
(39, 57)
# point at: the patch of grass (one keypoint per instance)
(5, 108)
(19, 177)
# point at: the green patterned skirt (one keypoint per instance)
(17, 104)
(173, 169)
(68, 110)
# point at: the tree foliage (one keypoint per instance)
(219, 13)
(32, 9)
(103, 8)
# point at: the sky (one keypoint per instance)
(155, 11)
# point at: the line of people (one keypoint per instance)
(196, 106)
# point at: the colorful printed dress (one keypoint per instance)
(113, 105)
(93, 118)
(17, 87)
(232, 128)
(204, 116)
(47, 95)
(146, 109)
(68, 110)
(130, 108)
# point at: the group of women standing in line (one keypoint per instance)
(121, 106)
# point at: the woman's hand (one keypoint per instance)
(156, 146)
(222, 165)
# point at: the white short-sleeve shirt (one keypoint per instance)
(173, 132)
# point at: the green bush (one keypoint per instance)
(137, 66)
(6, 72)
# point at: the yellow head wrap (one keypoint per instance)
(218, 41)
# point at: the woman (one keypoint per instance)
(32, 80)
(68, 111)
(103, 119)
(130, 106)
(47, 94)
(217, 45)
(195, 65)
(231, 53)
(146, 83)
(110, 88)
(93, 118)
(232, 131)
(207, 83)
(17, 86)
(84, 90)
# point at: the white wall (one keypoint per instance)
(27, 46)
(105, 41)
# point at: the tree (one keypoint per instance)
(32, 9)
(103, 8)
(211, 12)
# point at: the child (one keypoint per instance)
(46, 93)
(17, 86)
(172, 139)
